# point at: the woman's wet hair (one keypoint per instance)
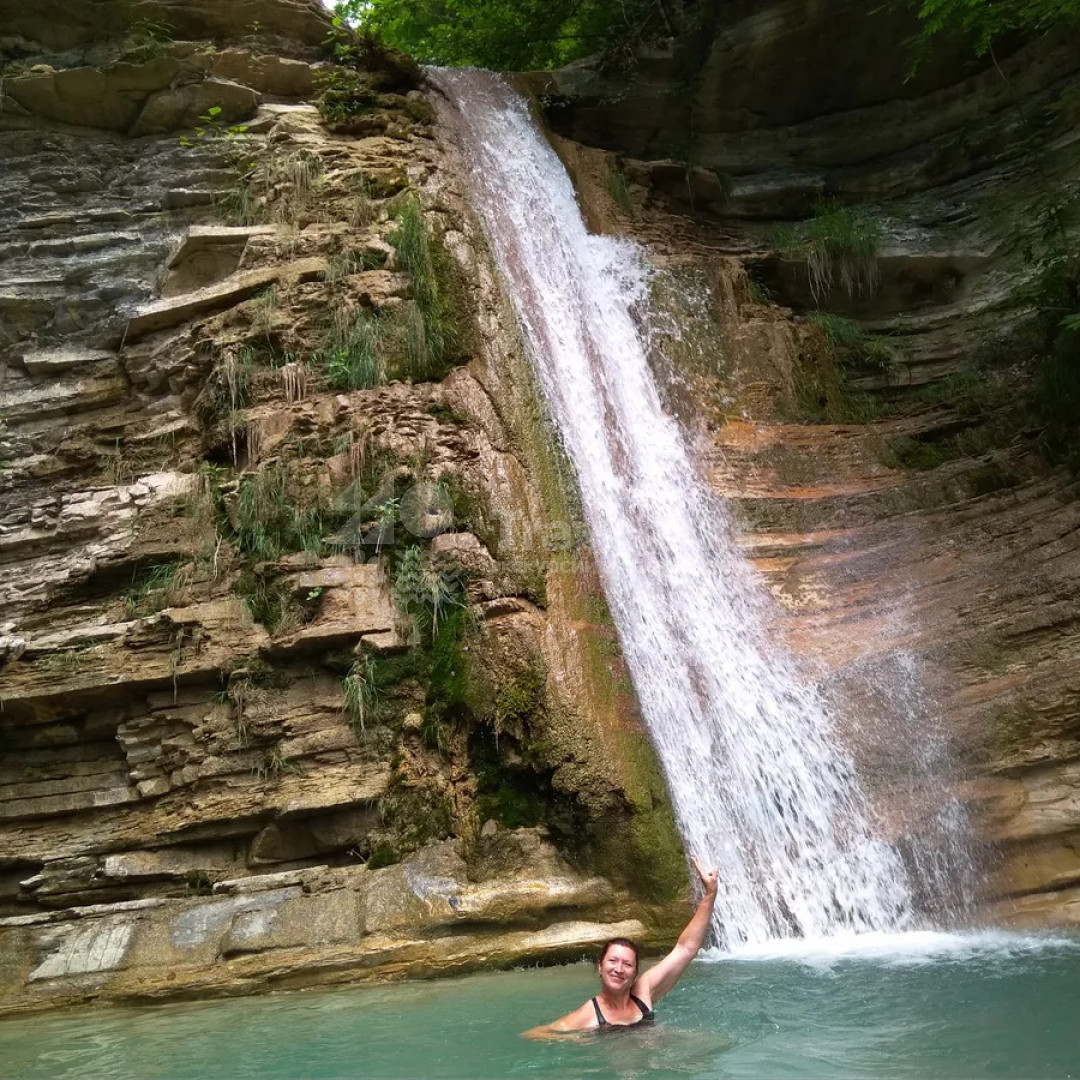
(626, 943)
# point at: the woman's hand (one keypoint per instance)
(710, 879)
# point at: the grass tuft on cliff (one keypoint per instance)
(352, 359)
(269, 523)
(839, 245)
(435, 335)
(853, 347)
(821, 390)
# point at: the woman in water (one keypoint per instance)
(625, 997)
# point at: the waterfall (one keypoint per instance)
(760, 785)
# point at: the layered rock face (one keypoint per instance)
(883, 441)
(303, 671)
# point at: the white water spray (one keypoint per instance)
(760, 786)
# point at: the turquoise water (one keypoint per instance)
(910, 1006)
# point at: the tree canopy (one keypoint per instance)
(985, 21)
(517, 35)
(508, 35)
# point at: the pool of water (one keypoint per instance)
(915, 1005)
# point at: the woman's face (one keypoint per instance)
(618, 969)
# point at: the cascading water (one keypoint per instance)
(760, 786)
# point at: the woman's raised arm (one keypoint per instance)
(660, 978)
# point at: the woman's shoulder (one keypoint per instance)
(581, 1019)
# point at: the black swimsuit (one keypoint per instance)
(647, 1015)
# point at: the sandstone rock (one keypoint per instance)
(208, 254)
(355, 600)
(466, 550)
(72, 25)
(160, 754)
(87, 97)
(168, 863)
(330, 919)
(383, 643)
(1055, 908)
(261, 882)
(51, 361)
(506, 605)
(99, 946)
(11, 647)
(295, 837)
(183, 106)
(265, 72)
(202, 923)
(267, 931)
(165, 313)
(40, 400)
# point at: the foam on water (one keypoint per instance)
(761, 786)
(911, 947)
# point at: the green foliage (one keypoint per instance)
(1057, 398)
(514, 795)
(64, 661)
(226, 390)
(199, 882)
(344, 264)
(155, 588)
(970, 392)
(760, 290)
(426, 588)
(269, 523)
(1055, 292)
(360, 690)
(269, 600)
(434, 332)
(823, 394)
(513, 803)
(364, 51)
(447, 684)
(821, 385)
(343, 94)
(992, 477)
(519, 700)
(851, 346)
(352, 359)
(839, 332)
(212, 126)
(983, 22)
(507, 35)
(618, 188)
(415, 815)
(383, 853)
(419, 339)
(279, 189)
(839, 245)
(932, 449)
(274, 765)
(239, 203)
(146, 40)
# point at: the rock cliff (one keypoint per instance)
(872, 359)
(304, 674)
